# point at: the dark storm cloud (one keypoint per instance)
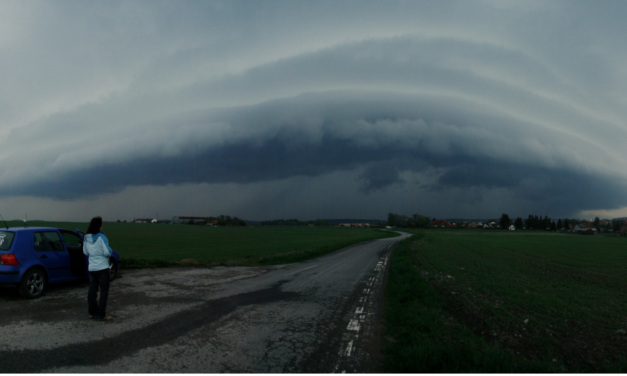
(316, 134)
(508, 98)
(379, 175)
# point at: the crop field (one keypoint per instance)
(497, 301)
(164, 244)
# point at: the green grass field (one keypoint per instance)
(142, 245)
(498, 301)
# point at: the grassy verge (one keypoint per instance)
(507, 302)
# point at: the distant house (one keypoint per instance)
(187, 219)
(144, 220)
(442, 224)
(475, 225)
(354, 225)
(585, 228)
(491, 224)
(512, 228)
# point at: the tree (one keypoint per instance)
(420, 220)
(505, 221)
(597, 224)
(559, 224)
(411, 222)
(401, 220)
(414, 219)
(392, 219)
(518, 223)
(224, 220)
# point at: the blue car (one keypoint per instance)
(33, 257)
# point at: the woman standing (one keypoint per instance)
(96, 246)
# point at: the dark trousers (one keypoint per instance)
(98, 281)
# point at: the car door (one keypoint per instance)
(51, 251)
(74, 245)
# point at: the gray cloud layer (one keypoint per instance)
(470, 99)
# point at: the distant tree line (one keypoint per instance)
(416, 220)
(221, 220)
(294, 222)
(534, 222)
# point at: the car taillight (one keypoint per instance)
(8, 259)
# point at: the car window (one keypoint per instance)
(71, 239)
(38, 242)
(6, 239)
(48, 241)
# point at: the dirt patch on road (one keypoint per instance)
(137, 297)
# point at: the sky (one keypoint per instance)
(312, 109)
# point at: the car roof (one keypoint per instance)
(30, 228)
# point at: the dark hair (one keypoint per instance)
(94, 225)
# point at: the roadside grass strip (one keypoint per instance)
(491, 302)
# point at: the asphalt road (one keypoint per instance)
(319, 316)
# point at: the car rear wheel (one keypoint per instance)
(113, 269)
(33, 284)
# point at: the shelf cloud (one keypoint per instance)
(444, 109)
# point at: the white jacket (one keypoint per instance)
(98, 250)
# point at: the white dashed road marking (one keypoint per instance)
(349, 348)
(361, 315)
(353, 325)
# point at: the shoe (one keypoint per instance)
(91, 316)
(107, 318)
